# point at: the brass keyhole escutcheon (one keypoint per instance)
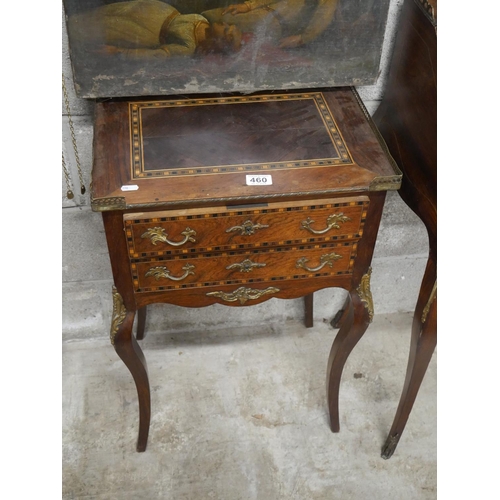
(247, 228)
(245, 266)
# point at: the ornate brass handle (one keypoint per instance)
(163, 272)
(332, 222)
(158, 234)
(246, 266)
(326, 260)
(243, 294)
(247, 228)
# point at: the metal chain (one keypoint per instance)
(69, 192)
(73, 138)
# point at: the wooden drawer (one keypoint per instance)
(217, 229)
(272, 264)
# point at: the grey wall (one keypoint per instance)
(398, 265)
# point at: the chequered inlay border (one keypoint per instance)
(137, 149)
(297, 275)
(133, 255)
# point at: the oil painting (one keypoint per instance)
(155, 47)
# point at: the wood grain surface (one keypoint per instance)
(370, 163)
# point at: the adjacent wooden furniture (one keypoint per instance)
(235, 200)
(407, 120)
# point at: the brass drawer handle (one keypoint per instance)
(246, 266)
(243, 294)
(157, 234)
(163, 272)
(332, 222)
(247, 228)
(326, 260)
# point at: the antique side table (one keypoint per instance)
(407, 119)
(237, 199)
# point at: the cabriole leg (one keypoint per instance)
(131, 354)
(356, 318)
(423, 343)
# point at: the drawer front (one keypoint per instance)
(206, 270)
(191, 231)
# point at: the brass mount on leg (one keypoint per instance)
(118, 316)
(365, 293)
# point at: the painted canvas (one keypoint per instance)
(155, 47)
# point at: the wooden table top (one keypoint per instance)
(173, 151)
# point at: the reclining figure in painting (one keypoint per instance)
(289, 23)
(150, 29)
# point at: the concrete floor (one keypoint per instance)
(241, 415)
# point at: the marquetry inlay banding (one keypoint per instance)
(138, 114)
